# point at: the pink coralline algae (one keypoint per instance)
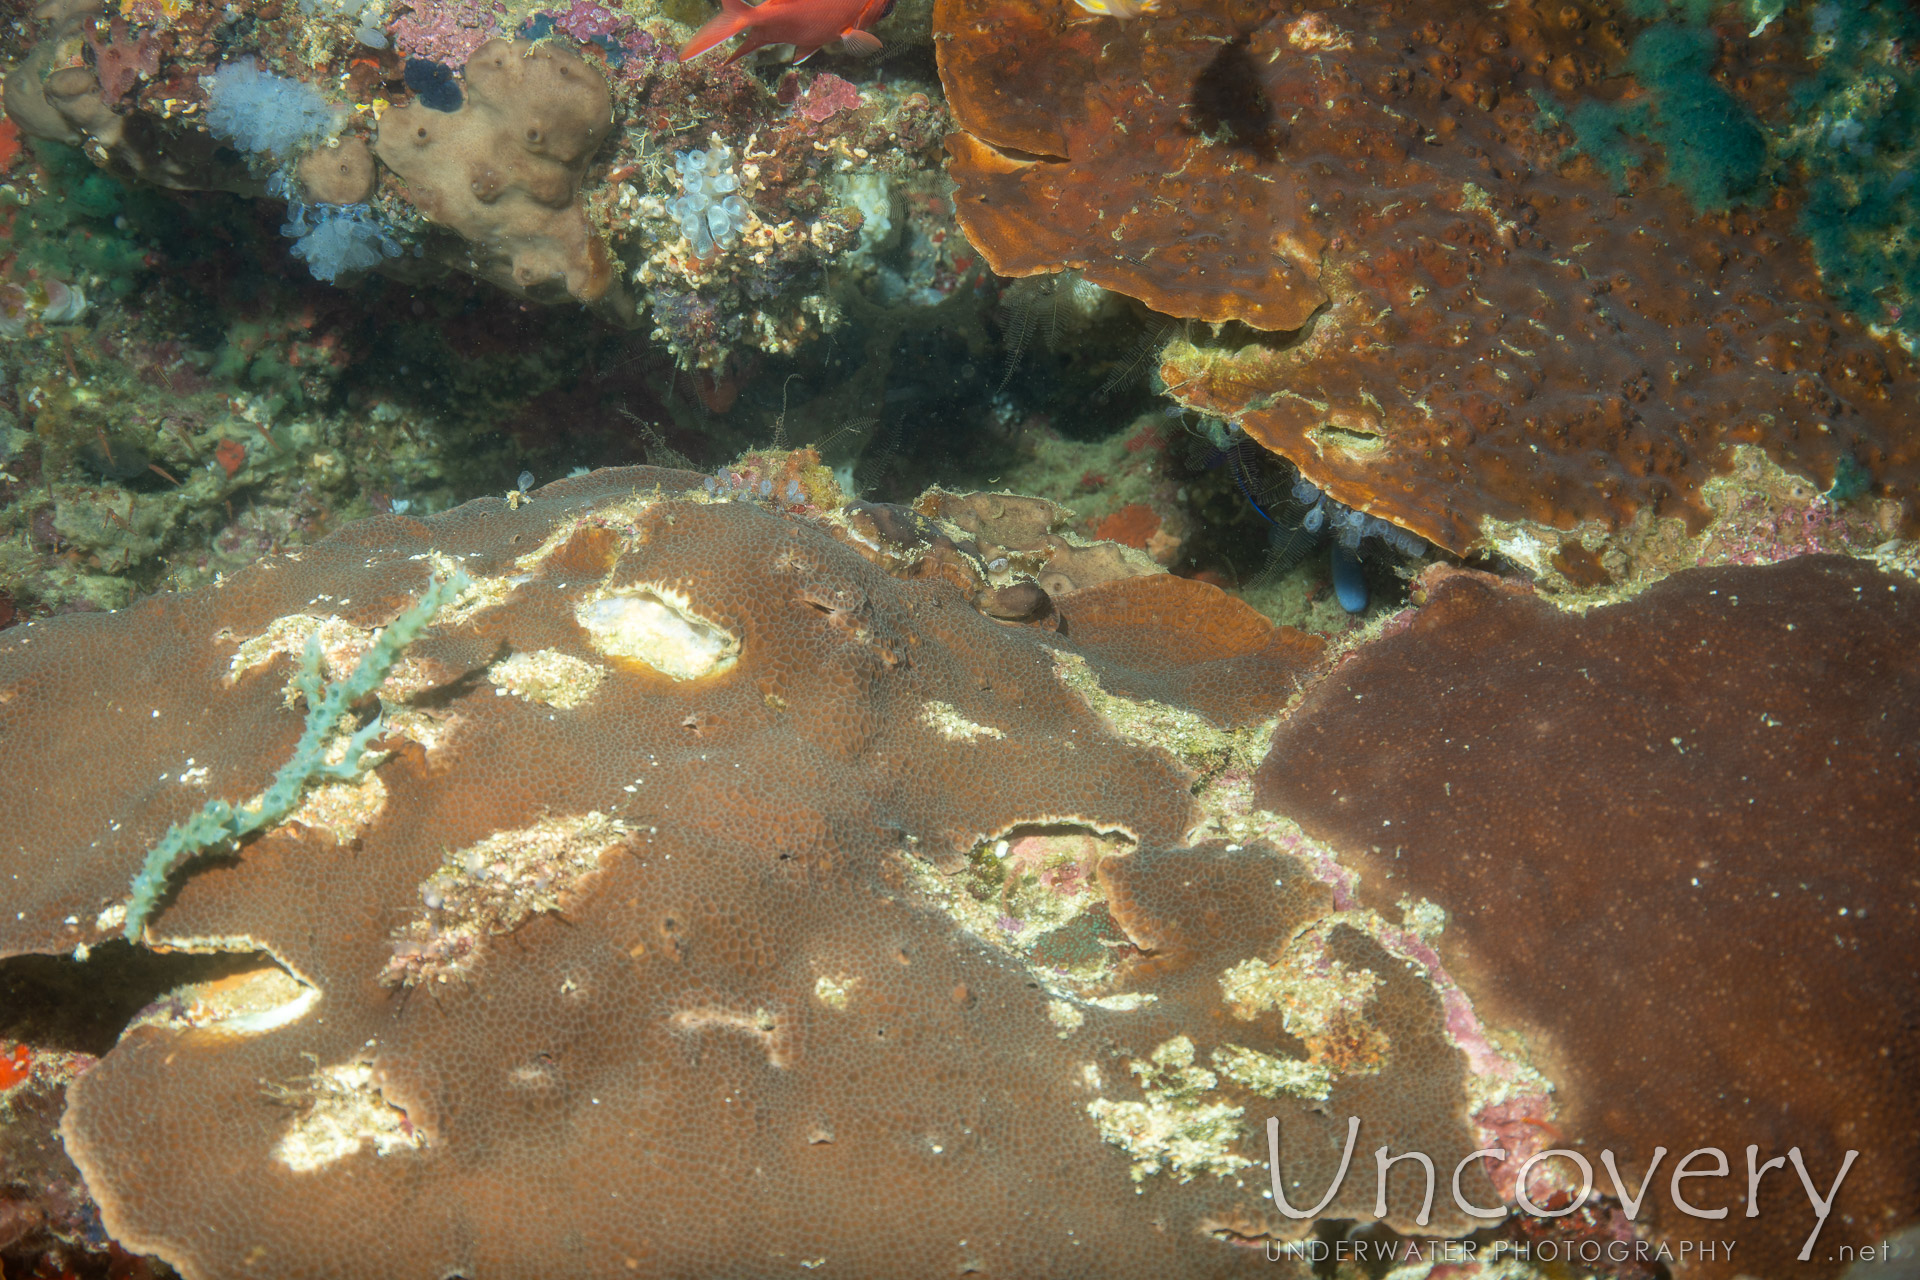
(1765, 531)
(447, 33)
(586, 22)
(827, 97)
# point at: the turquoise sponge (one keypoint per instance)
(219, 822)
(1715, 150)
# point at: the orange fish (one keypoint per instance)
(804, 24)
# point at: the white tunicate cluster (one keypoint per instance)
(870, 194)
(708, 211)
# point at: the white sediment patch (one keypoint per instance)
(548, 677)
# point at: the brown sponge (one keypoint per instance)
(339, 174)
(504, 170)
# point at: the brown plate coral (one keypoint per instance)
(657, 913)
(1466, 331)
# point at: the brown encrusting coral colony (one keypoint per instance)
(1177, 638)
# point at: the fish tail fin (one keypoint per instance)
(734, 17)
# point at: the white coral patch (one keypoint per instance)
(244, 1004)
(834, 992)
(1176, 1128)
(340, 809)
(1270, 1076)
(343, 1110)
(656, 625)
(341, 645)
(493, 887)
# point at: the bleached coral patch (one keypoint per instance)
(945, 719)
(341, 1111)
(656, 625)
(1176, 1128)
(492, 887)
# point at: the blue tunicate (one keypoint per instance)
(434, 84)
(708, 212)
(260, 112)
(766, 488)
(372, 37)
(1349, 582)
(1345, 529)
(336, 239)
(793, 491)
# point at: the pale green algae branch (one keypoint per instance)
(219, 820)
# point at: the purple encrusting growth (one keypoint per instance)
(586, 21)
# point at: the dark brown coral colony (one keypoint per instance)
(730, 868)
(1466, 326)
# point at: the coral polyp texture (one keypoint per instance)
(644, 919)
(1675, 837)
(728, 852)
(1471, 332)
